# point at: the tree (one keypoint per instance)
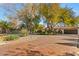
(5, 26)
(77, 21)
(29, 14)
(67, 16)
(51, 13)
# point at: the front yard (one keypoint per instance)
(34, 45)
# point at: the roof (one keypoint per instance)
(66, 27)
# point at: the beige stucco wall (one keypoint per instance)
(78, 31)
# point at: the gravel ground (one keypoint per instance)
(42, 45)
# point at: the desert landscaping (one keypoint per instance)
(42, 45)
(39, 29)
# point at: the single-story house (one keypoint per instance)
(68, 30)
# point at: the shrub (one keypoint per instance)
(11, 37)
(23, 32)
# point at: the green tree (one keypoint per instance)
(5, 26)
(29, 14)
(67, 16)
(77, 21)
(51, 13)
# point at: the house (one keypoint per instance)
(68, 30)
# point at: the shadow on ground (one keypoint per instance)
(69, 54)
(68, 44)
(76, 40)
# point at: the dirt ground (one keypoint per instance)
(42, 45)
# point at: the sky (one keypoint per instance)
(74, 6)
(4, 7)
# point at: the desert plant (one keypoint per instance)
(11, 37)
(23, 32)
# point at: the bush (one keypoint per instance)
(23, 32)
(49, 32)
(11, 37)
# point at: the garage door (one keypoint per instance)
(71, 31)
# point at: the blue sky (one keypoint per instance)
(74, 6)
(3, 8)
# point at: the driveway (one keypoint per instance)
(42, 45)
